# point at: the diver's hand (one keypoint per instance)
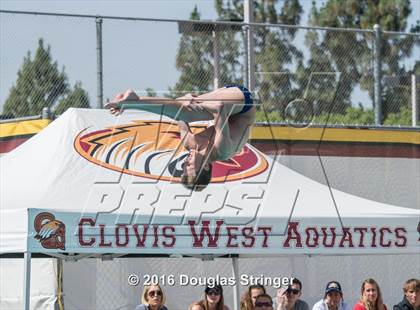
(281, 298)
(190, 103)
(115, 111)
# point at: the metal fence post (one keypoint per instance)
(100, 88)
(46, 113)
(246, 65)
(414, 100)
(249, 18)
(377, 73)
(216, 55)
(27, 255)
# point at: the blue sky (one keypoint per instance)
(136, 54)
(142, 8)
(73, 41)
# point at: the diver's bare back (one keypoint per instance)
(240, 128)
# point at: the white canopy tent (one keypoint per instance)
(93, 184)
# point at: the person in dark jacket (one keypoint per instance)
(411, 300)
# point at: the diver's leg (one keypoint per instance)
(231, 98)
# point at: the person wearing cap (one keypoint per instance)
(213, 298)
(288, 297)
(333, 298)
(411, 300)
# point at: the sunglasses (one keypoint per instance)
(293, 291)
(213, 292)
(263, 304)
(155, 293)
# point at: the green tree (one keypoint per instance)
(351, 116)
(41, 84)
(229, 42)
(195, 57)
(150, 92)
(401, 118)
(193, 60)
(350, 53)
(76, 98)
(275, 53)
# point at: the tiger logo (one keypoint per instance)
(51, 233)
(153, 150)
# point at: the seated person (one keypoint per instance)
(333, 298)
(248, 299)
(213, 298)
(411, 299)
(370, 297)
(263, 301)
(288, 298)
(196, 306)
(152, 298)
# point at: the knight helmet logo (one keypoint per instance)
(153, 150)
(50, 232)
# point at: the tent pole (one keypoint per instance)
(27, 279)
(236, 286)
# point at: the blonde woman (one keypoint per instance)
(152, 298)
(370, 297)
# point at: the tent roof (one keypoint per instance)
(74, 169)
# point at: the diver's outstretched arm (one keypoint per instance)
(222, 140)
(187, 137)
(178, 109)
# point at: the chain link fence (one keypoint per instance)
(46, 61)
(303, 75)
(107, 286)
(401, 76)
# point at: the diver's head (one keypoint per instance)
(197, 171)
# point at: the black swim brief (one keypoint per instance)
(248, 97)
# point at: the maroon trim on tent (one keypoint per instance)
(7, 145)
